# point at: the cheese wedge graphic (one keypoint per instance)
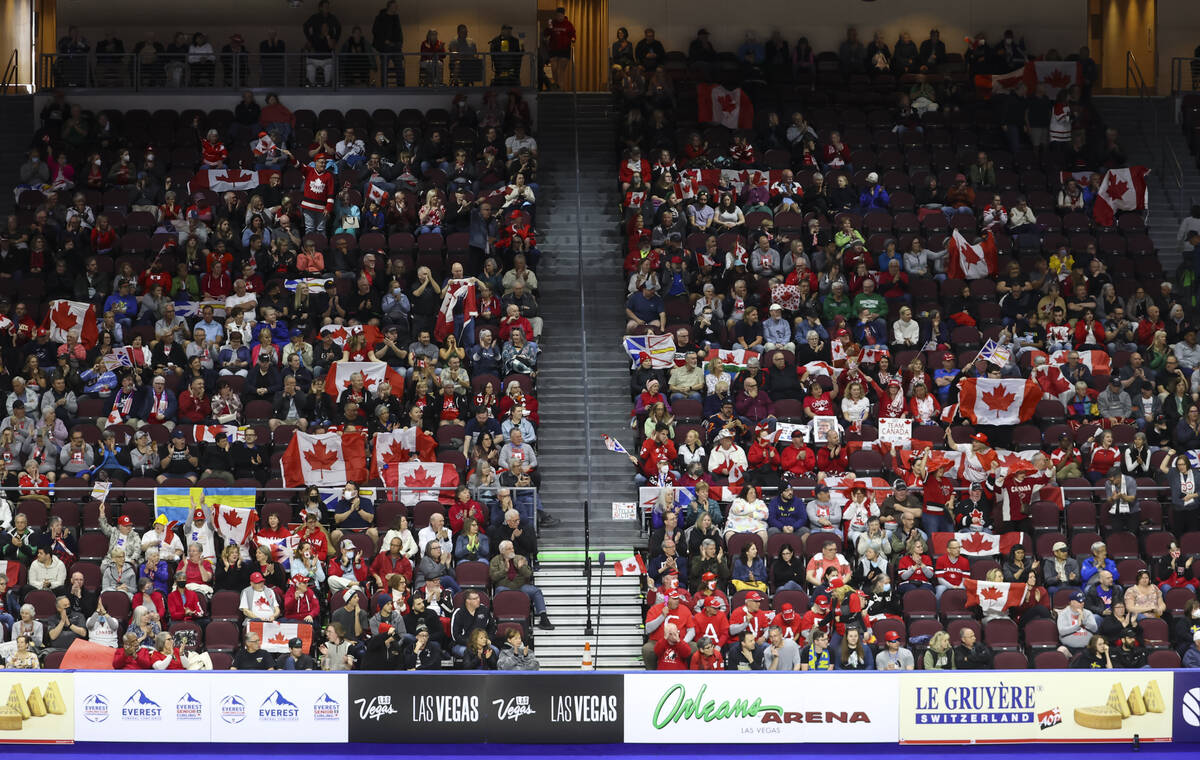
(16, 700)
(37, 705)
(10, 719)
(1137, 705)
(1103, 717)
(1154, 698)
(1117, 700)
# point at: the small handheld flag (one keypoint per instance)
(612, 444)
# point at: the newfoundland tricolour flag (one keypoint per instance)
(729, 108)
(64, 317)
(1121, 190)
(329, 459)
(992, 596)
(971, 262)
(985, 401)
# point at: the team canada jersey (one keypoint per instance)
(1015, 497)
(716, 627)
(757, 622)
(317, 190)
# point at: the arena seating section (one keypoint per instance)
(400, 248)
(659, 112)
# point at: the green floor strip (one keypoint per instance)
(578, 555)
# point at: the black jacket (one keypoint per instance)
(978, 657)
(463, 622)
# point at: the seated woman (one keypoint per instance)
(1143, 599)
(471, 545)
(915, 567)
(787, 570)
(749, 569)
(747, 514)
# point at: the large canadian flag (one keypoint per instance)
(342, 333)
(222, 180)
(275, 636)
(992, 596)
(329, 460)
(729, 108)
(403, 445)
(337, 379)
(1008, 401)
(236, 524)
(977, 544)
(208, 433)
(1121, 190)
(1051, 76)
(971, 262)
(65, 316)
(1005, 83)
(1097, 362)
(421, 481)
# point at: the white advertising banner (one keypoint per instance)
(284, 707)
(147, 706)
(678, 706)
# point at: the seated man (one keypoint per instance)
(512, 571)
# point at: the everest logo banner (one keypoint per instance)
(141, 707)
(189, 708)
(326, 708)
(233, 709)
(95, 708)
(751, 707)
(278, 707)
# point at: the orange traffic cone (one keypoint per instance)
(586, 663)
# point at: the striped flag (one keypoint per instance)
(995, 353)
(612, 444)
(660, 349)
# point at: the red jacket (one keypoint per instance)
(122, 661)
(716, 627)
(792, 462)
(763, 455)
(829, 463)
(193, 409)
(1083, 335)
(301, 607)
(712, 662)
(460, 511)
(318, 540)
(629, 167)
(385, 567)
(148, 658)
(213, 154)
(672, 656)
(186, 608)
(680, 616)
(652, 453)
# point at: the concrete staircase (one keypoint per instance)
(581, 205)
(1136, 126)
(16, 129)
(616, 616)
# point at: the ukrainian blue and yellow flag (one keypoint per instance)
(177, 503)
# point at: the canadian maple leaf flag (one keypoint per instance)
(67, 316)
(422, 481)
(630, 566)
(222, 180)
(208, 433)
(977, 544)
(1121, 190)
(275, 636)
(377, 194)
(1008, 401)
(456, 291)
(1005, 83)
(1097, 362)
(971, 262)
(992, 596)
(328, 460)
(342, 333)
(1051, 76)
(236, 524)
(729, 108)
(403, 445)
(337, 379)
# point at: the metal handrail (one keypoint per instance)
(11, 72)
(1165, 159)
(1179, 76)
(345, 71)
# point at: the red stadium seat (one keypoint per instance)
(1054, 660)
(1010, 661)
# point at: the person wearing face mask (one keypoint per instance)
(354, 512)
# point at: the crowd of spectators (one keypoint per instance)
(230, 311)
(801, 268)
(357, 56)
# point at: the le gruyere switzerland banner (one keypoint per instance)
(1020, 706)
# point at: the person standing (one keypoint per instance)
(559, 36)
(387, 37)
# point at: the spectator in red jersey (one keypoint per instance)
(300, 602)
(213, 153)
(750, 617)
(790, 623)
(707, 656)
(833, 459)
(938, 494)
(713, 624)
(915, 568)
(669, 610)
(464, 506)
(671, 652)
(798, 459)
(391, 562)
(951, 568)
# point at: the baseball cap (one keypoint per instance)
(787, 612)
(256, 577)
(713, 603)
(891, 636)
(872, 177)
(160, 520)
(1059, 546)
(296, 332)
(295, 643)
(198, 515)
(1196, 636)
(1077, 596)
(976, 486)
(301, 579)
(124, 520)
(347, 543)
(708, 577)
(385, 628)
(754, 596)
(947, 357)
(822, 486)
(821, 601)
(1129, 632)
(177, 433)
(775, 306)
(898, 484)
(979, 437)
(840, 332)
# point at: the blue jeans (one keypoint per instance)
(535, 595)
(424, 228)
(450, 583)
(936, 522)
(7, 621)
(693, 396)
